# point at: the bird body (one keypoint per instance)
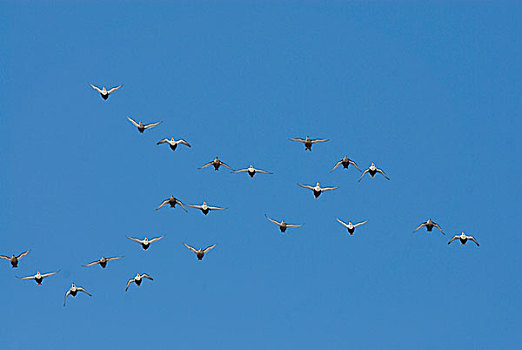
(104, 92)
(373, 170)
(142, 127)
(282, 224)
(103, 261)
(145, 243)
(252, 171)
(172, 201)
(351, 227)
(137, 279)
(216, 163)
(38, 277)
(205, 209)
(317, 189)
(308, 142)
(463, 238)
(345, 162)
(429, 224)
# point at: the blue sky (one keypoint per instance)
(429, 92)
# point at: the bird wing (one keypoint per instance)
(418, 227)
(133, 122)
(306, 186)
(362, 175)
(179, 202)
(293, 225)
(128, 283)
(206, 165)
(147, 276)
(80, 289)
(156, 239)
(297, 139)
(191, 248)
(66, 295)
(135, 240)
(226, 165)
(343, 223)
(5, 257)
(272, 220)
(216, 208)
(319, 140)
(151, 125)
(92, 263)
(165, 140)
(383, 174)
(336, 165)
(195, 206)
(354, 164)
(23, 254)
(360, 223)
(329, 188)
(471, 238)
(209, 248)
(96, 88)
(454, 238)
(241, 170)
(438, 226)
(183, 142)
(162, 204)
(49, 274)
(262, 171)
(114, 258)
(27, 278)
(114, 89)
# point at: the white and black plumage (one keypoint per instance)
(145, 243)
(73, 291)
(38, 277)
(351, 227)
(308, 142)
(137, 279)
(372, 170)
(463, 239)
(104, 92)
(142, 127)
(252, 171)
(205, 209)
(317, 189)
(173, 143)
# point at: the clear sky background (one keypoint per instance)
(429, 92)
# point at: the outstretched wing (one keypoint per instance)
(226, 165)
(209, 248)
(195, 206)
(354, 164)
(473, 239)
(92, 263)
(5, 257)
(293, 225)
(216, 208)
(128, 283)
(272, 220)
(27, 278)
(183, 142)
(438, 226)
(151, 125)
(179, 202)
(165, 140)
(319, 140)
(96, 88)
(133, 122)
(156, 239)
(418, 227)
(362, 175)
(454, 238)
(383, 174)
(49, 274)
(306, 186)
(206, 165)
(263, 171)
(297, 139)
(114, 258)
(114, 89)
(147, 276)
(163, 203)
(190, 247)
(360, 223)
(23, 254)
(135, 240)
(343, 223)
(66, 295)
(80, 289)
(336, 165)
(324, 189)
(241, 170)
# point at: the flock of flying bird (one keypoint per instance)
(372, 170)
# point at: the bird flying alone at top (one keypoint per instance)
(105, 93)
(38, 277)
(142, 127)
(103, 261)
(200, 253)
(372, 170)
(145, 243)
(216, 163)
(252, 171)
(13, 259)
(204, 207)
(282, 224)
(429, 224)
(172, 201)
(308, 142)
(463, 239)
(173, 143)
(345, 162)
(73, 291)
(318, 189)
(351, 227)
(137, 279)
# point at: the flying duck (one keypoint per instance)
(252, 171)
(204, 207)
(142, 127)
(373, 170)
(200, 253)
(282, 224)
(351, 227)
(103, 261)
(429, 226)
(38, 277)
(172, 201)
(463, 239)
(173, 143)
(137, 279)
(345, 162)
(73, 291)
(103, 92)
(308, 142)
(216, 163)
(318, 189)
(145, 243)
(14, 259)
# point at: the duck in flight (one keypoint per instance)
(145, 243)
(13, 259)
(308, 142)
(200, 253)
(142, 127)
(372, 170)
(252, 171)
(103, 92)
(216, 163)
(204, 207)
(173, 143)
(38, 277)
(172, 201)
(282, 224)
(103, 261)
(463, 239)
(318, 189)
(137, 279)
(429, 224)
(351, 227)
(345, 162)
(73, 291)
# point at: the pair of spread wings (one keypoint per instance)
(18, 257)
(322, 189)
(170, 142)
(106, 259)
(142, 241)
(471, 238)
(377, 170)
(278, 223)
(196, 250)
(167, 201)
(133, 280)
(349, 162)
(426, 224)
(312, 141)
(220, 162)
(145, 126)
(108, 91)
(42, 276)
(79, 289)
(354, 225)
